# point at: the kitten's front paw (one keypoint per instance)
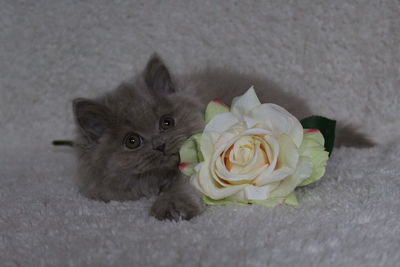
(176, 207)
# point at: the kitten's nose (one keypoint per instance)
(160, 148)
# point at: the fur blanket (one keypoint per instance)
(343, 56)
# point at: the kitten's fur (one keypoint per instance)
(110, 171)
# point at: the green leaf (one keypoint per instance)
(190, 154)
(291, 199)
(197, 140)
(325, 126)
(188, 151)
(211, 201)
(313, 148)
(269, 203)
(187, 168)
(214, 108)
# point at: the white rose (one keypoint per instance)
(254, 153)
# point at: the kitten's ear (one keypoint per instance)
(157, 77)
(93, 118)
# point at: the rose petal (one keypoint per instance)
(256, 131)
(258, 192)
(205, 182)
(274, 176)
(241, 151)
(258, 161)
(272, 150)
(277, 120)
(289, 154)
(245, 103)
(213, 131)
(303, 171)
(238, 197)
(218, 171)
(194, 179)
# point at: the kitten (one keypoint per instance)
(128, 139)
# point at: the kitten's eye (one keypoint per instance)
(133, 141)
(166, 122)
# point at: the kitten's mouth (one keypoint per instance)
(166, 156)
(171, 158)
(173, 155)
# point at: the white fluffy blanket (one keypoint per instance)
(343, 56)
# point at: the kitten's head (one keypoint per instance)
(140, 126)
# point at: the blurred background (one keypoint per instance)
(342, 56)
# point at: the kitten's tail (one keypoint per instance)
(348, 135)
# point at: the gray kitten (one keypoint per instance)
(128, 140)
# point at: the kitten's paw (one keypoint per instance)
(176, 207)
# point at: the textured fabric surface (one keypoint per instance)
(343, 56)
